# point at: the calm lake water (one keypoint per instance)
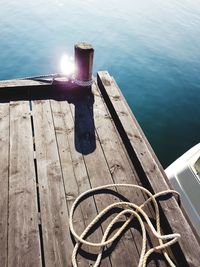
(151, 47)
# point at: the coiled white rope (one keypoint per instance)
(128, 209)
(83, 83)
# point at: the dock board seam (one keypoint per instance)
(37, 187)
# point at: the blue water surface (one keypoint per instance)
(151, 47)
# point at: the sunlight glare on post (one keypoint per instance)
(67, 65)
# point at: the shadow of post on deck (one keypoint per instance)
(81, 98)
(85, 141)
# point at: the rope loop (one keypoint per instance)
(134, 211)
(83, 83)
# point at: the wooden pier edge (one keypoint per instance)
(5, 84)
(142, 155)
(138, 149)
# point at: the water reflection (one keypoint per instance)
(151, 47)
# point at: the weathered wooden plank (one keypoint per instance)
(20, 83)
(61, 117)
(99, 173)
(127, 124)
(74, 174)
(54, 214)
(23, 234)
(121, 169)
(4, 167)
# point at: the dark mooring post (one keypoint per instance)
(84, 62)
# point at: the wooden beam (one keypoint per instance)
(147, 164)
(4, 171)
(20, 83)
(53, 207)
(23, 230)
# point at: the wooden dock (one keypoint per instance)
(59, 141)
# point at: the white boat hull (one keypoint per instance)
(184, 175)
